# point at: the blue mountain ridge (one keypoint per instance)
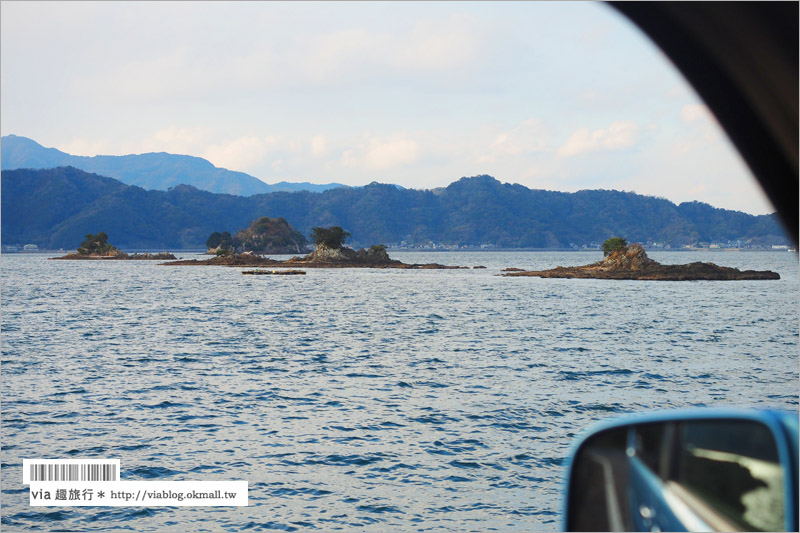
(152, 171)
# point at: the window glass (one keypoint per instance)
(732, 466)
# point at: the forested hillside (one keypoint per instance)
(55, 208)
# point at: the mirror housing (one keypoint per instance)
(689, 470)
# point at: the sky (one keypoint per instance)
(551, 95)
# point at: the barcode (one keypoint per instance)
(43, 470)
(73, 472)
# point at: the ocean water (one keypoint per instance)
(366, 399)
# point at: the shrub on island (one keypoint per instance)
(613, 244)
(97, 245)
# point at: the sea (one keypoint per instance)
(366, 399)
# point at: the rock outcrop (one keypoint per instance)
(267, 235)
(322, 257)
(632, 263)
(164, 256)
(287, 272)
(374, 255)
(119, 255)
(264, 236)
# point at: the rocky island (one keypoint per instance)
(322, 257)
(631, 262)
(330, 252)
(264, 235)
(258, 272)
(97, 247)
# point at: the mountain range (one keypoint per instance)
(154, 171)
(56, 208)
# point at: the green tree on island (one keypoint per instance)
(332, 237)
(95, 244)
(222, 240)
(613, 244)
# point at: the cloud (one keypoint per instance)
(428, 46)
(319, 146)
(83, 146)
(317, 56)
(443, 44)
(174, 140)
(378, 154)
(243, 153)
(177, 140)
(694, 112)
(685, 166)
(526, 138)
(169, 75)
(702, 121)
(617, 136)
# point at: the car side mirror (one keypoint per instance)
(698, 470)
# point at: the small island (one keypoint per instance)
(258, 272)
(330, 252)
(630, 262)
(264, 235)
(97, 247)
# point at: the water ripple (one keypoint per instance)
(391, 400)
